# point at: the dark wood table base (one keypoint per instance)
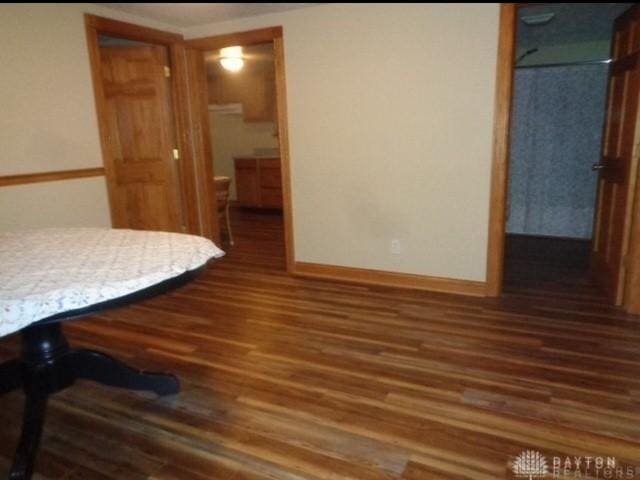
(47, 365)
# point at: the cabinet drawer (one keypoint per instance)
(269, 163)
(271, 197)
(243, 163)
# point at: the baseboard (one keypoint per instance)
(389, 279)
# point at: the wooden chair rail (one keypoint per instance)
(26, 178)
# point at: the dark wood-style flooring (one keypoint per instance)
(552, 262)
(289, 379)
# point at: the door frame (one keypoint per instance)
(95, 26)
(204, 163)
(500, 175)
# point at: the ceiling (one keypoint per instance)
(192, 14)
(572, 23)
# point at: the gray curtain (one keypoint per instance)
(555, 138)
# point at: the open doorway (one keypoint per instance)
(615, 253)
(243, 119)
(559, 104)
(165, 180)
(245, 147)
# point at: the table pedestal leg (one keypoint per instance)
(48, 365)
(106, 370)
(32, 424)
(10, 376)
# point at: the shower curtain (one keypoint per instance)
(556, 137)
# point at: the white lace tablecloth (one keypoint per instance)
(46, 272)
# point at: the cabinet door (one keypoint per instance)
(271, 197)
(270, 175)
(247, 183)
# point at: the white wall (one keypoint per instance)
(390, 112)
(72, 203)
(48, 119)
(390, 127)
(231, 136)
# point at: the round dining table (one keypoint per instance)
(51, 276)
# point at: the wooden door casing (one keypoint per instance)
(202, 151)
(619, 158)
(251, 37)
(140, 137)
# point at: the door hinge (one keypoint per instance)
(176, 154)
(167, 71)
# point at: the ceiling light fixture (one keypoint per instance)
(231, 58)
(538, 18)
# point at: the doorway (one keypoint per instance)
(245, 148)
(560, 74)
(174, 188)
(251, 107)
(139, 116)
(135, 95)
(543, 206)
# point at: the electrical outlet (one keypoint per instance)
(396, 247)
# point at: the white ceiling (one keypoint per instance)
(192, 14)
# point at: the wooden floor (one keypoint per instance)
(289, 379)
(553, 262)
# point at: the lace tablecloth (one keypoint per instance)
(46, 272)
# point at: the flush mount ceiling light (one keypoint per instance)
(537, 18)
(231, 58)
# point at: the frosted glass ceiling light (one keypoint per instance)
(232, 64)
(231, 58)
(538, 19)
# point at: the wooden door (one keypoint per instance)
(141, 170)
(618, 166)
